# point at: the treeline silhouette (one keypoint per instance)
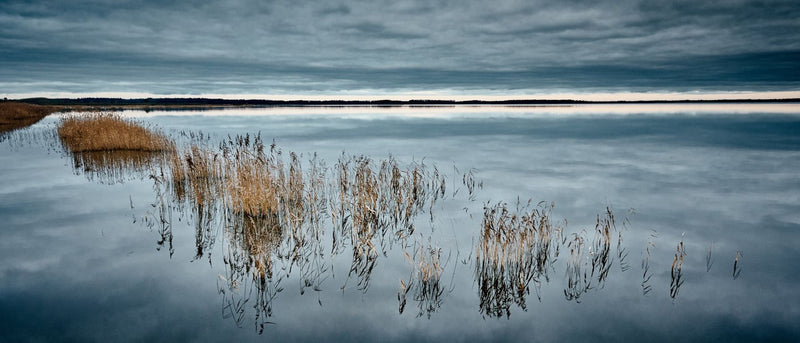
(206, 102)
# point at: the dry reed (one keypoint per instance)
(16, 115)
(676, 271)
(646, 273)
(516, 247)
(737, 267)
(425, 280)
(109, 132)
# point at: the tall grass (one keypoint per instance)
(275, 210)
(516, 247)
(425, 282)
(108, 148)
(589, 271)
(646, 273)
(273, 206)
(16, 115)
(109, 132)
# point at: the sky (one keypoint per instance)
(400, 49)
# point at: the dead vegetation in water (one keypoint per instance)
(275, 210)
(588, 267)
(425, 282)
(516, 247)
(110, 167)
(108, 148)
(676, 270)
(109, 132)
(373, 204)
(647, 274)
(737, 267)
(17, 115)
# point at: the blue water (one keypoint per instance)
(79, 262)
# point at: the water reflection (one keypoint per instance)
(110, 167)
(273, 216)
(676, 271)
(15, 116)
(425, 282)
(516, 248)
(281, 216)
(737, 268)
(647, 274)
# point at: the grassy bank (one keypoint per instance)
(16, 115)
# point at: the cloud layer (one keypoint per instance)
(275, 47)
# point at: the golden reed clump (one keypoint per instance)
(16, 115)
(109, 132)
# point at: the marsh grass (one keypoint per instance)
(275, 209)
(16, 115)
(251, 278)
(516, 247)
(425, 281)
(108, 148)
(646, 273)
(589, 271)
(109, 132)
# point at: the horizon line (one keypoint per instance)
(442, 97)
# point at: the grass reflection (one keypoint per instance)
(17, 115)
(283, 218)
(516, 250)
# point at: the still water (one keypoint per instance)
(599, 223)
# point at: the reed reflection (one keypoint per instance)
(16, 115)
(109, 149)
(110, 167)
(588, 267)
(676, 271)
(273, 214)
(282, 219)
(517, 249)
(425, 281)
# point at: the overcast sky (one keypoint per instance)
(398, 47)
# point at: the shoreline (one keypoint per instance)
(216, 103)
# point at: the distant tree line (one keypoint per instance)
(203, 102)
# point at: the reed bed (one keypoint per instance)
(17, 115)
(516, 247)
(373, 204)
(275, 210)
(251, 279)
(110, 149)
(425, 282)
(109, 132)
(589, 271)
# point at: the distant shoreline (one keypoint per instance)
(188, 103)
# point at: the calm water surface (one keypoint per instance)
(89, 253)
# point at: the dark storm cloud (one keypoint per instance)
(307, 46)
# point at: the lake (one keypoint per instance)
(470, 223)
